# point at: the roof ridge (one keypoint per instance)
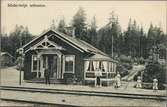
(75, 41)
(79, 40)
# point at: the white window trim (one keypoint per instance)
(32, 62)
(73, 64)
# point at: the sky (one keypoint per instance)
(39, 18)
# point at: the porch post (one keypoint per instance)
(63, 67)
(107, 73)
(38, 59)
(60, 69)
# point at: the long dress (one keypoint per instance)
(139, 82)
(155, 84)
(118, 80)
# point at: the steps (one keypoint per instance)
(42, 80)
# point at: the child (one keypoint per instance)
(155, 84)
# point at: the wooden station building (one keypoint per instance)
(66, 57)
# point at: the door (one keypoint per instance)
(54, 66)
(43, 64)
(52, 63)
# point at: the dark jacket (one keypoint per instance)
(46, 73)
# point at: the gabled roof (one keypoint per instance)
(86, 47)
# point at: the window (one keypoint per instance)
(91, 66)
(96, 65)
(69, 63)
(101, 66)
(34, 63)
(112, 67)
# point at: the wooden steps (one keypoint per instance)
(42, 80)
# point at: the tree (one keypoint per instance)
(155, 37)
(155, 70)
(26, 36)
(132, 39)
(110, 35)
(53, 27)
(79, 24)
(143, 44)
(16, 39)
(5, 43)
(61, 26)
(92, 32)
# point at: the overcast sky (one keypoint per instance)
(39, 18)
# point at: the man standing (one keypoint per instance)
(47, 76)
(98, 74)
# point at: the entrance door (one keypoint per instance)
(52, 63)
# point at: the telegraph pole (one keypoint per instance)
(21, 63)
(112, 53)
(20, 71)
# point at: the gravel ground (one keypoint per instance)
(10, 76)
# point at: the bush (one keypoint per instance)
(122, 70)
(155, 70)
(141, 60)
(127, 65)
(138, 74)
(150, 86)
(126, 59)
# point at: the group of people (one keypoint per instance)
(154, 84)
(117, 82)
(98, 74)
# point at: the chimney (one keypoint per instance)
(70, 31)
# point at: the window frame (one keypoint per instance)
(32, 64)
(65, 63)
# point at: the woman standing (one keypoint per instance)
(118, 81)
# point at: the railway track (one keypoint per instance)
(83, 93)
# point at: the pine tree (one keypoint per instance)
(92, 32)
(110, 35)
(61, 26)
(79, 24)
(53, 27)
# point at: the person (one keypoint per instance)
(98, 74)
(138, 85)
(47, 76)
(155, 84)
(39, 74)
(118, 81)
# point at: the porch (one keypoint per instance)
(99, 64)
(48, 55)
(58, 65)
